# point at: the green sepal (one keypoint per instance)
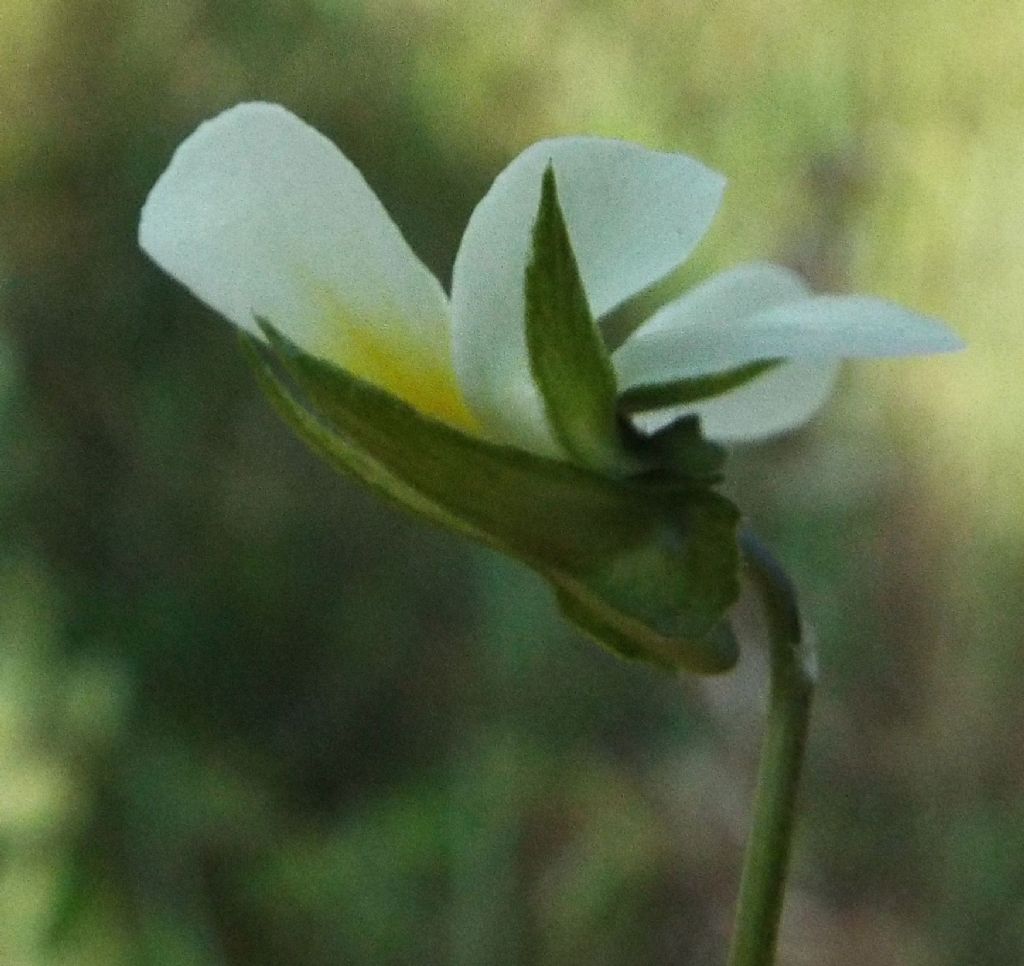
(681, 449)
(531, 507)
(662, 601)
(635, 641)
(568, 357)
(681, 392)
(572, 369)
(341, 454)
(648, 569)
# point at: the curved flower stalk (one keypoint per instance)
(500, 412)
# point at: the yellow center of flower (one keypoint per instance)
(381, 352)
(424, 384)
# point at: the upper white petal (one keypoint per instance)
(633, 216)
(756, 312)
(261, 215)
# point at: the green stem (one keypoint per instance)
(762, 885)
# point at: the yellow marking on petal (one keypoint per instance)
(380, 352)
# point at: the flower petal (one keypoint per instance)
(633, 216)
(260, 215)
(762, 312)
(776, 402)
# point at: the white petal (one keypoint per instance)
(260, 215)
(633, 216)
(733, 294)
(765, 312)
(776, 402)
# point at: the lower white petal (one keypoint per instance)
(776, 402)
(760, 312)
(262, 216)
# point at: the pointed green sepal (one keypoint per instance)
(681, 392)
(648, 569)
(568, 357)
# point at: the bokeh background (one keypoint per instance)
(249, 716)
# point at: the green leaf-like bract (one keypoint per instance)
(648, 569)
(568, 357)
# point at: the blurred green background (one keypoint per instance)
(248, 716)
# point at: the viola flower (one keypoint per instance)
(500, 412)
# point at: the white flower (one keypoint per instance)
(523, 446)
(263, 217)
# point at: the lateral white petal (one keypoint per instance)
(260, 215)
(633, 216)
(736, 293)
(764, 311)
